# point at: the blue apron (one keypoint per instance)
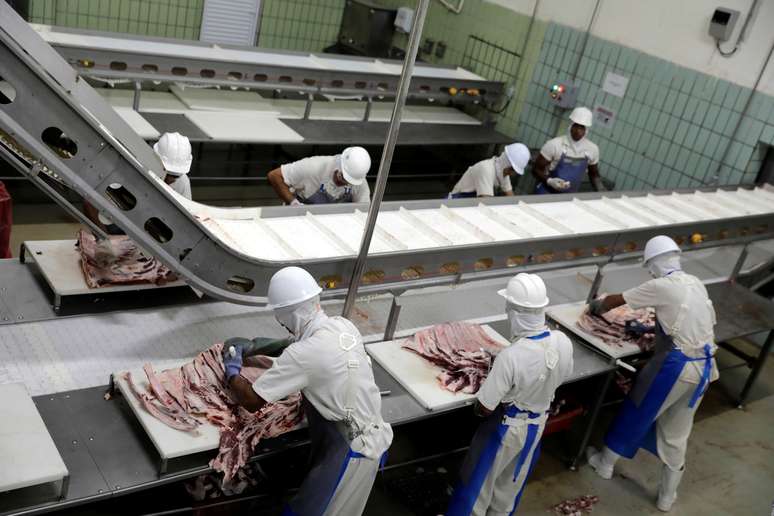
(331, 455)
(634, 427)
(569, 169)
(483, 451)
(321, 196)
(461, 195)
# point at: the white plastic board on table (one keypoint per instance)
(246, 127)
(28, 455)
(418, 376)
(60, 263)
(567, 315)
(222, 100)
(169, 442)
(150, 101)
(138, 123)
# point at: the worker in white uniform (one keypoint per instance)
(564, 160)
(514, 400)
(324, 179)
(479, 180)
(658, 413)
(328, 363)
(174, 151)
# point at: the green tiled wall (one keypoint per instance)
(164, 18)
(302, 25)
(672, 125)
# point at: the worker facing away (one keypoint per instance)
(174, 151)
(327, 362)
(514, 400)
(563, 161)
(479, 180)
(324, 179)
(658, 413)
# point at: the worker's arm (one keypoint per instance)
(244, 394)
(280, 188)
(540, 170)
(508, 193)
(601, 306)
(596, 179)
(480, 410)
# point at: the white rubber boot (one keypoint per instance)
(602, 461)
(667, 491)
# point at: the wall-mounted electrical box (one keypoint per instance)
(723, 23)
(563, 94)
(404, 19)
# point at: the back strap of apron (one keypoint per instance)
(705, 375)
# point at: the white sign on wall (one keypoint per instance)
(615, 84)
(603, 117)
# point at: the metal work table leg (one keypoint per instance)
(592, 420)
(65, 487)
(392, 319)
(756, 369)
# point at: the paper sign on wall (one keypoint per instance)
(603, 116)
(615, 84)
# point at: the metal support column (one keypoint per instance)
(392, 319)
(389, 147)
(739, 263)
(137, 93)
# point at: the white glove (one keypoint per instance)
(105, 255)
(296, 202)
(558, 184)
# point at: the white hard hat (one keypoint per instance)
(582, 116)
(659, 245)
(525, 290)
(174, 149)
(518, 155)
(355, 164)
(290, 286)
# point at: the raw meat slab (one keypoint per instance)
(418, 376)
(59, 261)
(567, 315)
(28, 454)
(170, 443)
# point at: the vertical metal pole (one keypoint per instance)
(389, 147)
(137, 93)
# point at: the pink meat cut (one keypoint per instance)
(611, 326)
(463, 351)
(184, 398)
(132, 266)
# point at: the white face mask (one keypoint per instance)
(661, 266)
(296, 318)
(525, 322)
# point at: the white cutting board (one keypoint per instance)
(243, 127)
(418, 376)
(138, 123)
(28, 455)
(60, 263)
(169, 442)
(567, 315)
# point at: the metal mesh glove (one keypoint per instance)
(558, 184)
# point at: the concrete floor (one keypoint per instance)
(730, 464)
